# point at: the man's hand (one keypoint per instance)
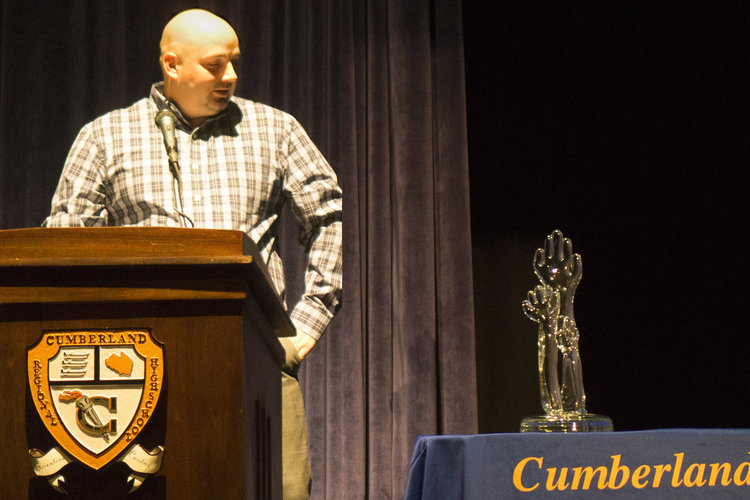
(303, 343)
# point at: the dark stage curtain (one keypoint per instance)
(379, 86)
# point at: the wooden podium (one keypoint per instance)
(205, 296)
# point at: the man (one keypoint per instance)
(240, 162)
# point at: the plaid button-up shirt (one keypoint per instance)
(238, 170)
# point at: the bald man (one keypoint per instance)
(240, 163)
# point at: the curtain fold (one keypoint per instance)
(379, 86)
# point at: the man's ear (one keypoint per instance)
(170, 64)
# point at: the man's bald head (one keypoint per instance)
(194, 28)
(198, 53)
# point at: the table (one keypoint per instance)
(669, 463)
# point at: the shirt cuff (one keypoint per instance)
(310, 319)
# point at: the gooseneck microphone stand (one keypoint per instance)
(166, 121)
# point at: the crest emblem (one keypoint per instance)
(95, 390)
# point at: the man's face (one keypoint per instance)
(206, 78)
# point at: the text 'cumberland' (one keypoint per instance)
(103, 338)
(530, 474)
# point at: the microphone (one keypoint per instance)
(166, 121)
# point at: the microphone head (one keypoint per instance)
(166, 121)
(165, 118)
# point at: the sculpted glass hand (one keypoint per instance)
(558, 267)
(543, 306)
(559, 362)
(551, 305)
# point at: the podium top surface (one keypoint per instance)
(28, 257)
(123, 245)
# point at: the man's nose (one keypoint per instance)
(229, 74)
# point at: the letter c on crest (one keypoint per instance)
(518, 472)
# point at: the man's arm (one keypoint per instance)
(79, 199)
(316, 201)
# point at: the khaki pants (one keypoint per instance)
(295, 464)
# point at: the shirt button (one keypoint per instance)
(198, 197)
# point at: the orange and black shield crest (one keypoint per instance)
(95, 390)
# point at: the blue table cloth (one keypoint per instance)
(672, 463)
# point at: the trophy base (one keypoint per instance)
(568, 422)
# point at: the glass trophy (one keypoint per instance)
(560, 377)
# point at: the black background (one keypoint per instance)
(625, 126)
